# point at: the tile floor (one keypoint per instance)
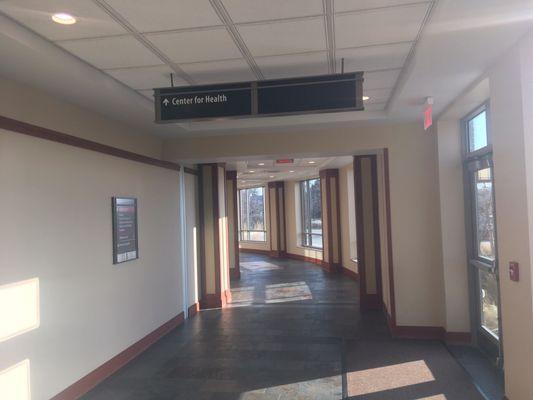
(293, 332)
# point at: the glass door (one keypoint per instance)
(483, 260)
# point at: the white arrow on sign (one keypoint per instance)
(165, 102)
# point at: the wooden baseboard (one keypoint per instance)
(193, 309)
(93, 378)
(235, 273)
(349, 273)
(255, 251)
(304, 258)
(218, 300)
(427, 333)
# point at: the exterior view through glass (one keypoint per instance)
(252, 214)
(311, 213)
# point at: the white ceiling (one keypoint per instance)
(255, 172)
(399, 44)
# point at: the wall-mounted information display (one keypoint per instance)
(325, 93)
(125, 242)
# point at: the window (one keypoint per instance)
(311, 213)
(477, 131)
(252, 214)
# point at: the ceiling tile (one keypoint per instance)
(195, 46)
(37, 16)
(375, 106)
(284, 37)
(149, 94)
(354, 5)
(146, 77)
(293, 65)
(374, 57)
(380, 79)
(219, 71)
(112, 52)
(261, 10)
(387, 25)
(162, 15)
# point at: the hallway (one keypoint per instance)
(292, 332)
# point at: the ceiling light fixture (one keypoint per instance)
(251, 171)
(63, 19)
(366, 98)
(311, 162)
(261, 164)
(272, 176)
(291, 171)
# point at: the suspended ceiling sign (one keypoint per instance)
(325, 93)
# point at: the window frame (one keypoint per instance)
(305, 236)
(241, 231)
(467, 154)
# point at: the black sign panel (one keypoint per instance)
(203, 102)
(301, 95)
(325, 93)
(125, 243)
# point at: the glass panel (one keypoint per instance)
(311, 213)
(252, 214)
(484, 214)
(477, 132)
(488, 296)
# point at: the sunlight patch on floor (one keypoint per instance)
(322, 388)
(284, 292)
(258, 266)
(15, 381)
(388, 378)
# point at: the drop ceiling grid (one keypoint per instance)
(284, 39)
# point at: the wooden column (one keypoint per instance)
(331, 222)
(276, 206)
(233, 221)
(214, 245)
(367, 227)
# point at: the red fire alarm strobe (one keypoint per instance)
(514, 271)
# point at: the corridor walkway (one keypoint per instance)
(292, 332)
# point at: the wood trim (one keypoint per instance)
(377, 232)
(317, 261)
(284, 220)
(359, 227)
(191, 171)
(193, 309)
(256, 251)
(339, 223)
(89, 381)
(216, 227)
(349, 273)
(236, 270)
(392, 311)
(36, 131)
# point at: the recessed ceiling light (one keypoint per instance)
(64, 18)
(291, 171)
(365, 98)
(272, 176)
(251, 171)
(243, 181)
(311, 162)
(261, 164)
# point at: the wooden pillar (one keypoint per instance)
(276, 206)
(233, 221)
(214, 245)
(367, 227)
(331, 222)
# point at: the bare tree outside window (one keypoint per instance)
(252, 214)
(311, 213)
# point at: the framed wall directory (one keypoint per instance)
(125, 241)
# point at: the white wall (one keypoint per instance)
(55, 213)
(191, 229)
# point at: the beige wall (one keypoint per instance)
(346, 202)
(511, 102)
(36, 107)
(452, 221)
(191, 240)
(55, 213)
